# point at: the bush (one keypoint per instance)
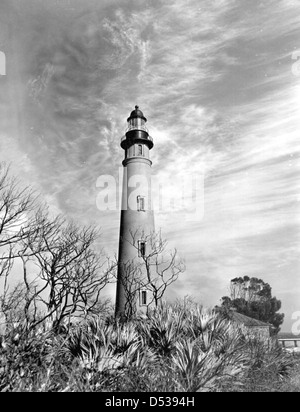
(177, 348)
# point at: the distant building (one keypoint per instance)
(255, 327)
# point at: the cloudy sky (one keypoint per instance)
(216, 80)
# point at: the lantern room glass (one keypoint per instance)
(137, 123)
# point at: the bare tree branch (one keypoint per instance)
(154, 271)
(71, 274)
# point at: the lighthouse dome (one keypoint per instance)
(137, 113)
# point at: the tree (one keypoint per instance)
(153, 271)
(15, 207)
(16, 210)
(63, 272)
(131, 284)
(253, 297)
(70, 274)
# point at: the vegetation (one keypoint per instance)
(59, 270)
(177, 348)
(253, 297)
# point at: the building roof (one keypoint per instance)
(249, 322)
(137, 113)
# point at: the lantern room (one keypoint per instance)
(137, 131)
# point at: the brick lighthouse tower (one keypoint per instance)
(137, 217)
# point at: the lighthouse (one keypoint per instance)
(137, 217)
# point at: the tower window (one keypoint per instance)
(141, 204)
(142, 248)
(143, 298)
(140, 150)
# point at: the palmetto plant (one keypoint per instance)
(124, 337)
(199, 320)
(188, 366)
(174, 349)
(267, 356)
(201, 364)
(162, 329)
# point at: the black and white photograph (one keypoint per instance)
(149, 198)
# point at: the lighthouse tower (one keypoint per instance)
(137, 217)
